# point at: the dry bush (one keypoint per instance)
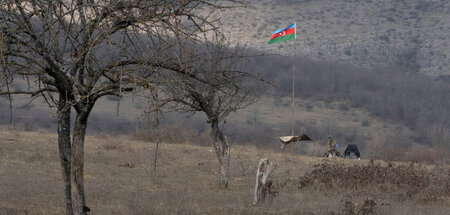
(127, 165)
(384, 148)
(422, 153)
(416, 153)
(109, 142)
(403, 180)
(369, 206)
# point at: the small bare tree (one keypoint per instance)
(216, 81)
(73, 52)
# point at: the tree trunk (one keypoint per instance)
(65, 149)
(222, 149)
(224, 168)
(79, 133)
(265, 168)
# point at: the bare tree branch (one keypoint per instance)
(81, 50)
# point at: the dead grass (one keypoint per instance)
(405, 181)
(119, 179)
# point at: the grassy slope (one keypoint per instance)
(268, 112)
(372, 32)
(185, 181)
(279, 115)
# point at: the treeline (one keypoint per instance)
(395, 95)
(29, 117)
(392, 94)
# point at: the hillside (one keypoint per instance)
(119, 179)
(412, 34)
(376, 108)
(381, 112)
(374, 73)
(259, 124)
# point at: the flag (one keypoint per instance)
(283, 34)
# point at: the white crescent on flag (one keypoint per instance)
(283, 34)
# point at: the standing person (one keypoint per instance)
(331, 146)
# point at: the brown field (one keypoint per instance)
(119, 179)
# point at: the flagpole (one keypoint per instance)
(293, 84)
(293, 96)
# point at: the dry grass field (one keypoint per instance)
(119, 179)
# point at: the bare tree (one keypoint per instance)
(215, 81)
(72, 52)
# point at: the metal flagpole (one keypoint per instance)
(293, 83)
(293, 100)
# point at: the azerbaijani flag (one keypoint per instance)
(283, 34)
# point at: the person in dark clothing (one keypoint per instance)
(352, 148)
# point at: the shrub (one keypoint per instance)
(421, 153)
(406, 179)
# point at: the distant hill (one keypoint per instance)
(413, 34)
(370, 107)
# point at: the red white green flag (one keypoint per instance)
(283, 34)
